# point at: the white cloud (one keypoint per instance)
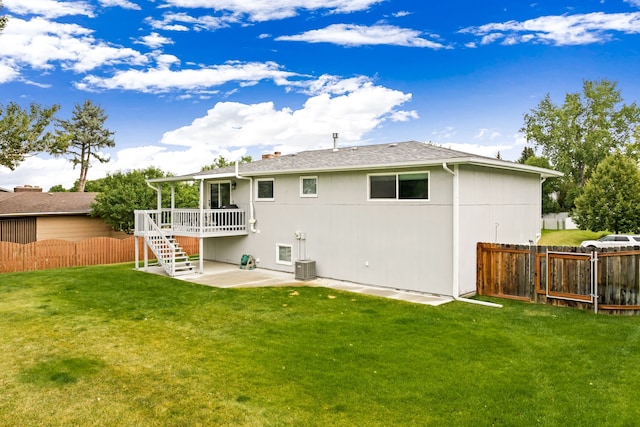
(125, 4)
(481, 150)
(40, 44)
(41, 172)
(633, 2)
(232, 129)
(162, 79)
(154, 40)
(484, 133)
(563, 30)
(358, 35)
(234, 124)
(184, 22)
(7, 72)
(444, 134)
(47, 172)
(260, 10)
(49, 8)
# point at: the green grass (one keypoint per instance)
(108, 346)
(568, 237)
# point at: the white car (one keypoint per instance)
(612, 240)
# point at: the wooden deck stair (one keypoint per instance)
(170, 255)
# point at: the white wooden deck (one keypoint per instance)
(193, 222)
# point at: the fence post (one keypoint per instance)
(533, 256)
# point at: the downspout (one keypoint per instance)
(252, 216)
(158, 195)
(456, 240)
(540, 223)
(200, 238)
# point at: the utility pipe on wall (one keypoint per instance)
(456, 240)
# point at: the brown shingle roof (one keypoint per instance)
(39, 204)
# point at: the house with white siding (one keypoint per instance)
(404, 215)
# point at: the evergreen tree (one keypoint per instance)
(526, 153)
(84, 135)
(610, 200)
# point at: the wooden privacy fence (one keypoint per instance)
(47, 254)
(603, 279)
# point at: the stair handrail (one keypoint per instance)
(152, 229)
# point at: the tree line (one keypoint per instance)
(593, 138)
(27, 132)
(122, 192)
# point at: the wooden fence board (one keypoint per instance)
(46, 254)
(560, 275)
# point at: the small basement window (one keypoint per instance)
(308, 186)
(399, 186)
(265, 189)
(283, 254)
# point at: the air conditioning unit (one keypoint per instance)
(305, 270)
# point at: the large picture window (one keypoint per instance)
(265, 189)
(399, 186)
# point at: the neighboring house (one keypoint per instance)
(28, 215)
(404, 215)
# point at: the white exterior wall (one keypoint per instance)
(495, 206)
(396, 244)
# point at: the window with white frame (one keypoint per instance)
(283, 254)
(399, 186)
(265, 189)
(220, 195)
(308, 186)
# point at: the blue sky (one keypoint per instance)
(184, 81)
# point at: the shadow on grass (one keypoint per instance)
(60, 371)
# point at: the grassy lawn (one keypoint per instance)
(107, 346)
(568, 237)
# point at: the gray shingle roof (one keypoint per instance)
(363, 157)
(37, 203)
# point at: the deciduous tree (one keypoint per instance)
(84, 136)
(23, 133)
(122, 193)
(610, 199)
(221, 162)
(577, 135)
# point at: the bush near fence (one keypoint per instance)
(46, 254)
(562, 276)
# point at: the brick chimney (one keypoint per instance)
(271, 156)
(28, 189)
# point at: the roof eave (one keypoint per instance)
(195, 177)
(547, 173)
(12, 214)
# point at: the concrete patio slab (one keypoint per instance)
(223, 275)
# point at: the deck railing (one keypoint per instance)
(194, 222)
